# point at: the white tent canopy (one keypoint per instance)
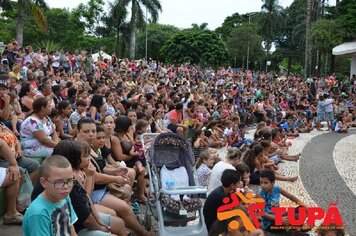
(347, 49)
(102, 54)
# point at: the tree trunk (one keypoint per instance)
(133, 30)
(308, 45)
(20, 22)
(332, 64)
(337, 8)
(117, 47)
(289, 64)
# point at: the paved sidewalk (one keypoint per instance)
(10, 230)
(323, 181)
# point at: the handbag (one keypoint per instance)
(24, 197)
(115, 189)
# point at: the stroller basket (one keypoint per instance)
(174, 151)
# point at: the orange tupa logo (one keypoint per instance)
(310, 215)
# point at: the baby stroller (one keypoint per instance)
(170, 151)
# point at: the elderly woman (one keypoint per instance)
(38, 135)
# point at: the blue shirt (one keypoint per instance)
(272, 200)
(285, 125)
(45, 218)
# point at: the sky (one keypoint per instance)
(183, 13)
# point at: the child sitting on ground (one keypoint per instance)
(272, 194)
(276, 153)
(244, 171)
(204, 164)
(302, 124)
(339, 127)
(288, 126)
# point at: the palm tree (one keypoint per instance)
(202, 26)
(26, 8)
(271, 19)
(138, 17)
(117, 21)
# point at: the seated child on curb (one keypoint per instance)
(204, 164)
(339, 126)
(138, 153)
(272, 195)
(52, 213)
(230, 179)
(222, 227)
(244, 171)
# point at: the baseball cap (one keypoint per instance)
(3, 79)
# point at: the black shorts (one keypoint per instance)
(173, 128)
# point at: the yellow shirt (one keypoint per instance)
(14, 75)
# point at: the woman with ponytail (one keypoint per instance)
(254, 159)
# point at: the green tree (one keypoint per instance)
(203, 26)
(157, 36)
(229, 24)
(271, 19)
(92, 13)
(7, 25)
(116, 21)
(25, 9)
(291, 38)
(345, 11)
(137, 17)
(70, 36)
(327, 34)
(202, 47)
(244, 40)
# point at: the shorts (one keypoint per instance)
(98, 195)
(2, 175)
(275, 159)
(172, 128)
(329, 116)
(26, 163)
(320, 116)
(143, 161)
(106, 219)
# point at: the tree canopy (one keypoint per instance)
(202, 47)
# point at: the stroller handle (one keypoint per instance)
(185, 190)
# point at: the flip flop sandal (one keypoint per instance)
(14, 220)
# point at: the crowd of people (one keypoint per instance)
(74, 125)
